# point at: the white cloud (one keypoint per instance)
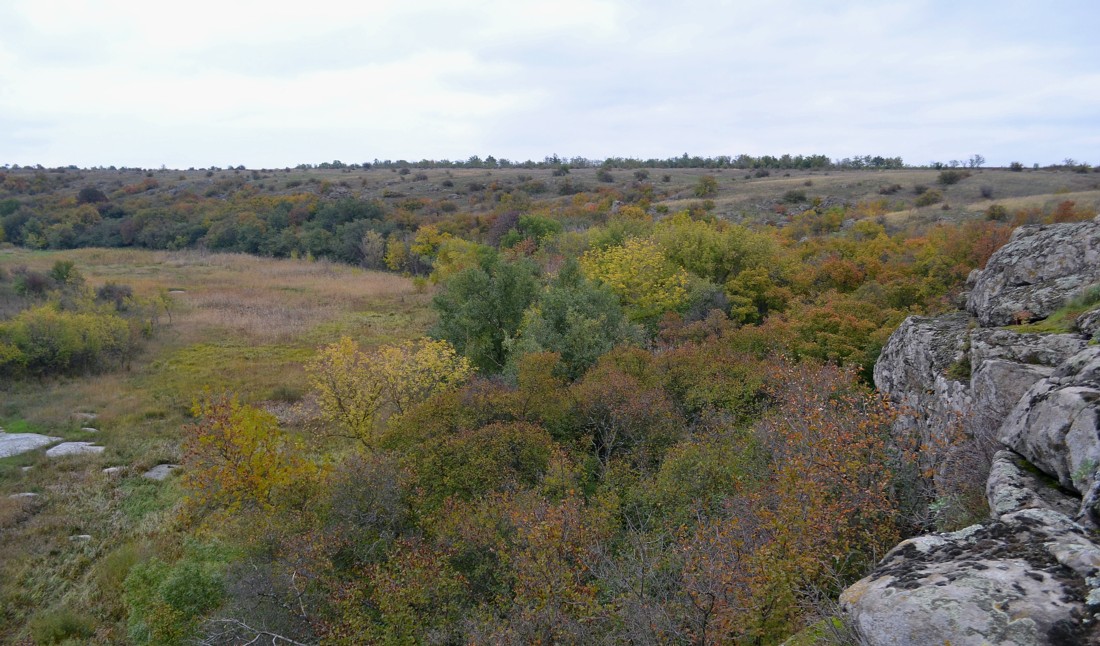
(276, 83)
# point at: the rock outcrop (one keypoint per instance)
(1031, 574)
(1032, 275)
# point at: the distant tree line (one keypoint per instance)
(743, 161)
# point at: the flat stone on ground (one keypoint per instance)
(16, 443)
(160, 472)
(89, 429)
(113, 470)
(26, 495)
(73, 448)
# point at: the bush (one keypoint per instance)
(928, 198)
(949, 177)
(43, 340)
(762, 172)
(57, 626)
(996, 212)
(794, 196)
(115, 294)
(641, 174)
(889, 190)
(706, 186)
(987, 192)
(1016, 167)
(448, 183)
(605, 176)
(666, 178)
(919, 189)
(90, 195)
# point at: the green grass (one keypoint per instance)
(1064, 319)
(244, 324)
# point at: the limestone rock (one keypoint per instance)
(1011, 581)
(1013, 485)
(16, 443)
(1089, 324)
(73, 448)
(1036, 271)
(1056, 426)
(160, 472)
(913, 372)
(23, 496)
(1005, 365)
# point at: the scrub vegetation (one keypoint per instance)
(570, 403)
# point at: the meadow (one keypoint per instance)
(237, 323)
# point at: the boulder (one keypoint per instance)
(1034, 274)
(1018, 580)
(918, 370)
(1056, 426)
(73, 448)
(1005, 365)
(16, 443)
(160, 472)
(1089, 324)
(1014, 484)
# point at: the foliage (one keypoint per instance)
(237, 457)
(481, 308)
(575, 318)
(354, 387)
(706, 186)
(47, 340)
(167, 601)
(643, 277)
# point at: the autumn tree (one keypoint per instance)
(354, 387)
(639, 272)
(236, 456)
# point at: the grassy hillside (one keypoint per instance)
(237, 323)
(649, 343)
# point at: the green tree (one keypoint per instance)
(481, 308)
(577, 319)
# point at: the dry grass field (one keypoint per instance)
(238, 323)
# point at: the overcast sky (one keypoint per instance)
(272, 83)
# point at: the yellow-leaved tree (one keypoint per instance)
(237, 456)
(355, 388)
(640, 273)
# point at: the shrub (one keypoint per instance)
(996, 212)
(987, 192)
(929, 198)
(605, 176)
(919, 189)
(641, 174)
(889, 190)
(762, 172)
(794, 196)
(949, 177)
(448, 183)
(666, 178)
(115, 294)
(61, 625)
(1016, 167)
(706, 186)
(420, 177)
(43, 340)
(90, 195)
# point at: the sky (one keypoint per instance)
(270, 84)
